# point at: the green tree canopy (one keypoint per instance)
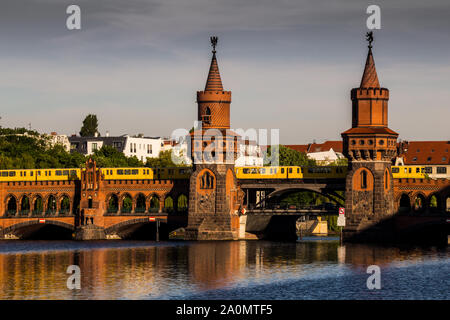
(90, 126)
(164, 160)
(289, 157)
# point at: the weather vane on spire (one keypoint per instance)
(369, 38)
(214, 43)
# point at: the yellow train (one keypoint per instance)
(291, 172)
(40, 175)
(283, 172)
(410, 172)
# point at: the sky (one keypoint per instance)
(290, 64)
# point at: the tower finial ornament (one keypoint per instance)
(369, 38)
(214, 43)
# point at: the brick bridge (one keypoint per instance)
(377, 206)
(83, 207)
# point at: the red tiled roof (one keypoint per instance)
(326, 146)
(376, 130)
(298, 147)
(317, 147)
(427, 152)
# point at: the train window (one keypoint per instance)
(49, 173)
(73, 172)
(58, 172)
(441, 170)
(409, 170)
(39, 173)
(271, 171)
(4, 173)
(395, 170)
(262, 171)
(20, 173)
(417, 170)
(282, 170)
(128, 171)
(134, 171)
(119, 171)
(275, 170)
(298, 170)
(31, 173)
(290, 170)
(301, 169)
(428, 170)
(65, 172)
(246, 171)
(12, 173)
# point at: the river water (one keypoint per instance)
(312, 269)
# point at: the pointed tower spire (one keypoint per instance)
(370, 77)
(214, 83)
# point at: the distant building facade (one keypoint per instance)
(139, 146)
(433, 155)
(323, 153)
(58, 139)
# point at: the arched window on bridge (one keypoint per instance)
(113, 204)
(434, 205)
(140, 204)
(405, 203)
(154, 204)
(11, 206)
(127, 204)
(168, 204)
(51, 205)
(65, 205)
(182, 204)
(25, 206)
(363, 179)
(38, 206)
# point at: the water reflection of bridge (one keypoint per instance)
(154, 271)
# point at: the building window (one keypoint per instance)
(444, 158)
(364, 179)
(429, 159)
(386, 180)
(206, 181)
(94, 147)
(441, 170)
(414, 159)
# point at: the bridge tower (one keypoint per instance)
(214, 195)
(369, 147)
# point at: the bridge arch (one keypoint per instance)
(420, 203)
(404, 202)
(140, 203)
(435, 202)
(126, 203)
(24, 206)
(65, 203)
(153, 202)
(11, 205)
(182, 202)
(50, 204)
(28, 228)
(138, 228)
(279, 193)
(37, 204)
(112, 203)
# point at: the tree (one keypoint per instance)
(290, 157)
(163, 161)
(90, 126)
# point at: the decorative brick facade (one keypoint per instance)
(214, 196)
(370, 147)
